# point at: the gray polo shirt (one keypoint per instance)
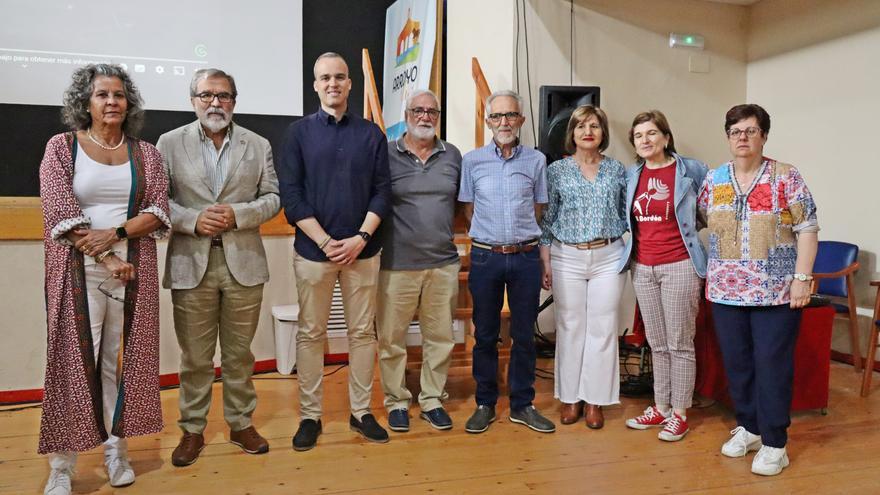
(417, 235)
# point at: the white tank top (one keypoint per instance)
(102, 192)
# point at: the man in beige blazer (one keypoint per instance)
(222, 186)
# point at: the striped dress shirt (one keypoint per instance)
(216, 161)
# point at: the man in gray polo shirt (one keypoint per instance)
(420, 263)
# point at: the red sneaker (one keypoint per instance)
(651, 417)
(675, 429)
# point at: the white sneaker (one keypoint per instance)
(770, 461)
(119, 470)
(59, 482)
(742, 443)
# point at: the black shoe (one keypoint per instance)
(480, 420)
(398, 420)
(530, 417)
(307, 435)
(437, 418)
(368, 428)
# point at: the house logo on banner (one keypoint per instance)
(410, 34)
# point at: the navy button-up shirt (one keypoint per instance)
(335, 171)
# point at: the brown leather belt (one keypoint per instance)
(217, 242)
(522, 247)
(594, 244)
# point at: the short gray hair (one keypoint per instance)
(75, 112)
(420, 92)
(208, 73)
(328, 55)
(499, 94)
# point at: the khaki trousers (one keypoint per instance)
(434, 292)
(219, 307)
(314, 286)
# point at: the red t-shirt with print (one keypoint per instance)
(655, 228)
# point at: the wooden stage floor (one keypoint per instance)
(837, 453)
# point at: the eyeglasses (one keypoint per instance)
(431, 113)
(496, 117)
(107, 292)
(750, 132)
(208, 97)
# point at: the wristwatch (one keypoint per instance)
(803, 277)
(121, 233)
(365, 236)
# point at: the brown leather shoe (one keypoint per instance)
(249, 440)
(188, 450)
(594, 417)
(571, 413)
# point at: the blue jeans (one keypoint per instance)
(757, 345)
(490, 274)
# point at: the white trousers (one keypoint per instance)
(106, 317)
(586, 295)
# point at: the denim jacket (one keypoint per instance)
(689, 175)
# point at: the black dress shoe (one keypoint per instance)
(369, 428)
(307, 435)
(438, 418)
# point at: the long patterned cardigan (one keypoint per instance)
(73, 418)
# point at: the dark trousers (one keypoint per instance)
(489, 274)
(757, 344)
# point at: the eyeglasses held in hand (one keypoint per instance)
(496, 117)
(107, 292)
(421, 112)
(208, 97)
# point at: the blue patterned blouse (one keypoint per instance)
(581, 210)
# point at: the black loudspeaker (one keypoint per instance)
(557, 104)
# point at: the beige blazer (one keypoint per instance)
(251, 188)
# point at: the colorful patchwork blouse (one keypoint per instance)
(752, 243)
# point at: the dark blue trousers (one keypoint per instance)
(490, 274)
(757, 344)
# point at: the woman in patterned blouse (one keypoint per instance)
(580, 253)
(762, 244)
(668, 267)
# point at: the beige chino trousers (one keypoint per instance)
(219, 307)
(314, 286)
(434, 293)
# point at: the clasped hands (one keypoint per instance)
(344, 251)
(96, 241)
(215, 219)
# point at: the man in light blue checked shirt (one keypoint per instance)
(504, 187)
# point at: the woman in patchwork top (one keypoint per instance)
(580, 254)
(762, 244)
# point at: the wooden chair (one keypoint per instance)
(833, 273)
(872, 344)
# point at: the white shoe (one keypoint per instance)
(742, 443)
(770, 461)
(119, 470)
(59, 482)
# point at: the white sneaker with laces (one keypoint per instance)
(770, 461)
(742, 443)
(59, 482)
(119, 470)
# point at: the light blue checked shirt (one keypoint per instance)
(504, 193)
(216, 161)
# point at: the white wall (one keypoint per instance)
(815, 69)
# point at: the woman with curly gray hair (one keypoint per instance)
(104, 199)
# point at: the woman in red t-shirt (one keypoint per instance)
(668, 266)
